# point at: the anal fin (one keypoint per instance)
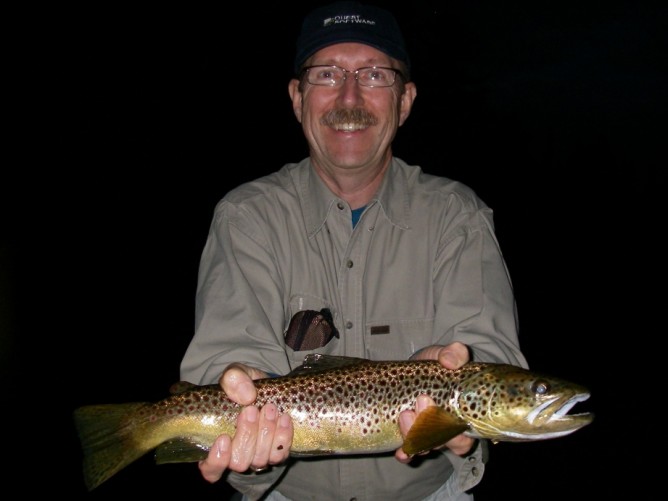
(180, 451)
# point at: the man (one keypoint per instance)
(406, 263)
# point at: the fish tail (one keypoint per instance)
(107, 440)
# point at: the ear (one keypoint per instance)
(297, 98)
(407, 98)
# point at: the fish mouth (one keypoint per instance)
(553, 415)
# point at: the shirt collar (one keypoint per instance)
(317, 199)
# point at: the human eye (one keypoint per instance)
(325, 75)
(376, 76)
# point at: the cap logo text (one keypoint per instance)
(347, 19)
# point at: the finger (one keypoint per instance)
(245, 439)
(213, 467)
(282, 443)
(461, 444)
(265, 438)
(237, 383)
(422, 402)
(454, 355)
(406, 420)
(402, 457)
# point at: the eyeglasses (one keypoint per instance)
(333, 76)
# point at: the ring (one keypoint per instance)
(258, 470)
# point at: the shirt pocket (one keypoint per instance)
(311, 328)
(398, 339)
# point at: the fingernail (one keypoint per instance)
(251, 413)
(284, 421)
(269, 412)
(222, 447)
(423, 402)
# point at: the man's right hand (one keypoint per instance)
(262, 437)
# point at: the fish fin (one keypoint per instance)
(432, 428)
(180, 451)
(317, 452)
(181, 386)
(316, 362)
(106, 440)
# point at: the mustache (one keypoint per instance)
(358, 116)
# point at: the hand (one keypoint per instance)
(452, 356)
(262, 437)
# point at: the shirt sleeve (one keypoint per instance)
(475, 303)
(239, 314)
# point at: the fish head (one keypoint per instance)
(508, 403)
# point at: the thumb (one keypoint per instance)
(237, 383)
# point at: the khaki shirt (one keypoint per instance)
(421, 267)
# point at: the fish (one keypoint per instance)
(339, 406)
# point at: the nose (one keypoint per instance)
(350, 92)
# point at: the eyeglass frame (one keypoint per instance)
(396, 72)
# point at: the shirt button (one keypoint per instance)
(340, 206)
(474, 471)
(349, 325)
(349, 264)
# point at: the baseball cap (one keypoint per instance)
(350, 22)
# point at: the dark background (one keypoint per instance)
(553, 112)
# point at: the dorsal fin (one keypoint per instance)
(432, 428)
(316, 362)
(180, 387)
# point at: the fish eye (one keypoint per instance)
(540, 387)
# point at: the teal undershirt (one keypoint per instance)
(356, 213)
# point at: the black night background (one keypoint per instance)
(553, 112)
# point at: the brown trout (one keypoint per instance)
(338, 405)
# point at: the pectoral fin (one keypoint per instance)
(433, 427)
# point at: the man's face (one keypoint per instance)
(351, 126)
